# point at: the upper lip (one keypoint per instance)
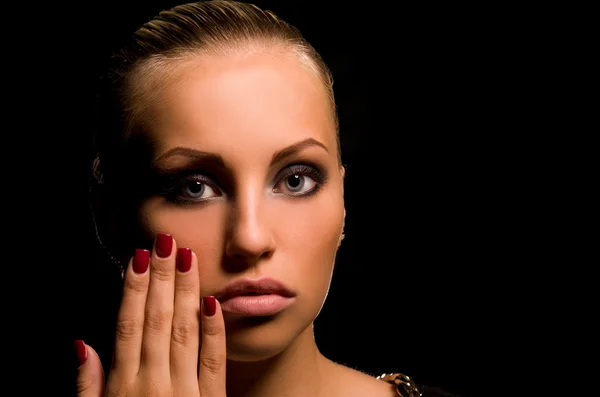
(262, 286)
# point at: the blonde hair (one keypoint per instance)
(210, 27)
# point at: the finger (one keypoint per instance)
(90, 375)
(185, 333)
(130, 320)
(213, 354)
(158, 316)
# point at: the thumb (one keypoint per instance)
(90, 375)
(213, 354)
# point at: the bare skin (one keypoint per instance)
(263, 199)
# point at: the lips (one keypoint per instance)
(261, 297)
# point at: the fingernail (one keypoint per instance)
(80, 351)
(141, 259)
(184, 259)
(164, 245)
(210, 306)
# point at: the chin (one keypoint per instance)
(255, 349)
(261, 338)
(251, 355)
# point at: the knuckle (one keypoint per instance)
(212, 362)
(154, 389)
(185, 286)
(128, 329)
(212, 330)
(184, 332)
(163, 272)
(141, 385)
(114, 388)
(84, 384)
(157, 387)
(135, 285)
(158, 320)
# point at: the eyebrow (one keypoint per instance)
(295, 148)
(193, 154)
(207, 156)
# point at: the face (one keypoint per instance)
(245, 160)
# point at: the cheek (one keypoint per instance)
(309, 240)
(199, 228)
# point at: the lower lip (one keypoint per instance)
(256, 305)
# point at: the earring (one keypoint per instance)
(343, 234)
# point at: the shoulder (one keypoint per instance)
(351, 382)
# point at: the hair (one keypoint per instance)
(139, 70)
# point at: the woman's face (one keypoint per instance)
(246, 165)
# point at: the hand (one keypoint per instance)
(157, 344)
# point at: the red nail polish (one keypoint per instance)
(141, 259)
(164, 245)
(81, 352)
(184, 259)
(210, 306)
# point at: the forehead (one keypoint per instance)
(256, 102)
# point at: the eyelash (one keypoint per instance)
(302, 170)
(173, 190)
(173, 185)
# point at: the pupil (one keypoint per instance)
(195, 187)
(294, 181)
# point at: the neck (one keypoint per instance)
(300, 370)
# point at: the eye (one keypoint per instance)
(299, 180)
(197, 190)
(193, 189)
(298, 184)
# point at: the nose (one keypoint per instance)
(249, 233)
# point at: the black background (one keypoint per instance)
(434, 187)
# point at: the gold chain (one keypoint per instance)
(404, 384)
